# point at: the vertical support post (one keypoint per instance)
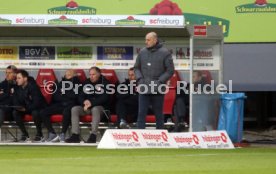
(191, 82)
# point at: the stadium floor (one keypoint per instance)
(88, 159)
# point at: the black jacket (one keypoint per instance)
(7, 87)
(129, 95)
(96, 93)
(29, 97)
(66, 97)
(154, 65)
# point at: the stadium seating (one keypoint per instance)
(56, 118)
(27, 118)
(46, 75)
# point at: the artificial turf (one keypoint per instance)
(79, 160)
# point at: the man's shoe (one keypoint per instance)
(123, 125)
(62, 138)
(38, 139)
(180, 127)
(24, 138)
(52, 138)
(92, 138)
(75, 138)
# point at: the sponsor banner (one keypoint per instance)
(205, 58)
(80, 53)
(205, 140)
(128, 139)
(157, 139)
(5, 21)
(199, 53)
(110, 56)
(37, 52)
(72, 8)
(188, 140)
(8, 52)
(114, 53)
(217, 140)
(63, 20)
(259, 6)
(93, 20)
(200, 30)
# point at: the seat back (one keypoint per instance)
(207, 76)
(81, 75)
(110, 75)
(172, 82)
(44, 76)
(45, 79)
(169, 99)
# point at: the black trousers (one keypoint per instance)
(127, 110)
(180, 109)
(46, 113)
(156, 101)
(18, 117)
(5, 114)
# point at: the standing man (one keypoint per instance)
(29, 99)
(153, 67)
(94, 100)
(6, 93)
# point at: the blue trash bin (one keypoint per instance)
(231, 115)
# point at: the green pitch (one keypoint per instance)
(80, 160)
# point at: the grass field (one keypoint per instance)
(79, 160)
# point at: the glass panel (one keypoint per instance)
(204, 85)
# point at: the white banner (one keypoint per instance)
(205, 140)
(128, 139)
(188, 140)
(171, 21)
(137, 138)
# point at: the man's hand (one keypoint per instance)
(21, 109)
(87, 104)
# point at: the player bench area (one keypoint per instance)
(9, 128)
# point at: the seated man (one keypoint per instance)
(127, 100)
(6, 93)
(62, 102)
(95, 100)
(29, 99)
(182, 100)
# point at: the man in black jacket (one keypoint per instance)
(95, 100)
(29, 99)
(127, 100)
(63, 99)
(6, 93)
(182, 100)
(153, 68)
